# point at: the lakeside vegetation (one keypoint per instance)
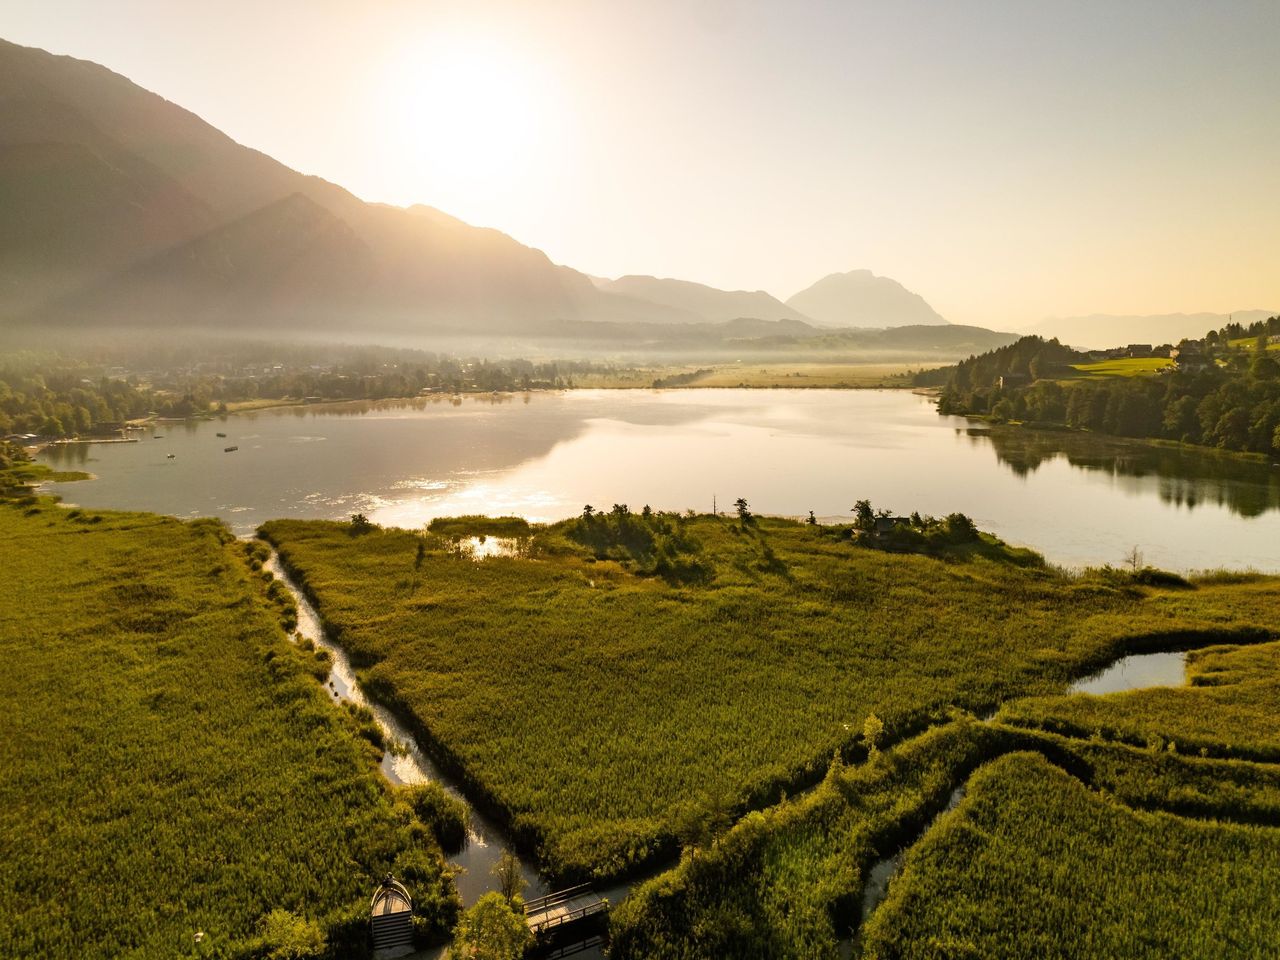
(175, 782)
(634, 684)
(1035, 865)
(97, 390)
(1227, 710)
(1222, 391)
(789, 881)
(580, 693)
(847, 375)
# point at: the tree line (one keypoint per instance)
(1230, 399)
(54, 397)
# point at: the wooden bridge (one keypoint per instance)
(565, 908)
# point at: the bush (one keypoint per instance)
(286, 936)
(444, 814)
(492, 929)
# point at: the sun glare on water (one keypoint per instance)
(473, 114)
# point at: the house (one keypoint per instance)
(1139, 350)
(887, 525)
(1190, 357)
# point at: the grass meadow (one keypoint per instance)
(171, 765)
(1120, 367)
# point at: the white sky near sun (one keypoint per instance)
(1008, 161)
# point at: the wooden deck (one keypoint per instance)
(563, 908)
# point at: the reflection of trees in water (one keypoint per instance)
(1187, 478)
(66, 454)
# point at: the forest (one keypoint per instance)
(1224, 391)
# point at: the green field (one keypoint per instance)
(583, 702)
(1035, 865)
(171, 765)
(1122, 367)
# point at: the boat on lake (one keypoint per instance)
(222, 434)
(229, 449)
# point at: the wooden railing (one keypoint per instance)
(563, 907)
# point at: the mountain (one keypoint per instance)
(121, 208)
(1102, 330)
(861, 299)
(120, 205)
(698, 303)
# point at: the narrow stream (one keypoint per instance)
(405, 763)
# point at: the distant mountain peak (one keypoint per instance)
(859, 298)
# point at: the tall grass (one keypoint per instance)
(170, 766)
(595, 710)
(786, 882)
(1034, 865)
(1228, 709)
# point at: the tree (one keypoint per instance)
(492, 929)
(360, 524)
(812, 520)
(960, 528)
(511, 881)
(698, 823)
(1133, 559)
(872, 732)
(1264, 367)
(744, 512)
(864, 518)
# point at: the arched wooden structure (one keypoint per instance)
(391, 913)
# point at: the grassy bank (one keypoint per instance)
(597, 711)
(1228, 709)
(171, 764)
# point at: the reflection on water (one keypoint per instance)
(1079, 499)
(1182, 476)
(405, 763)
(1136, 672)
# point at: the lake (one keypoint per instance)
(1077, 498)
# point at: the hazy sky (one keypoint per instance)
(1007, 160)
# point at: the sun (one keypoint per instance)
(471, 112)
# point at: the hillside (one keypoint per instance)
(107, 186)
(697, 302)
(861, 299)
(1103, 330)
